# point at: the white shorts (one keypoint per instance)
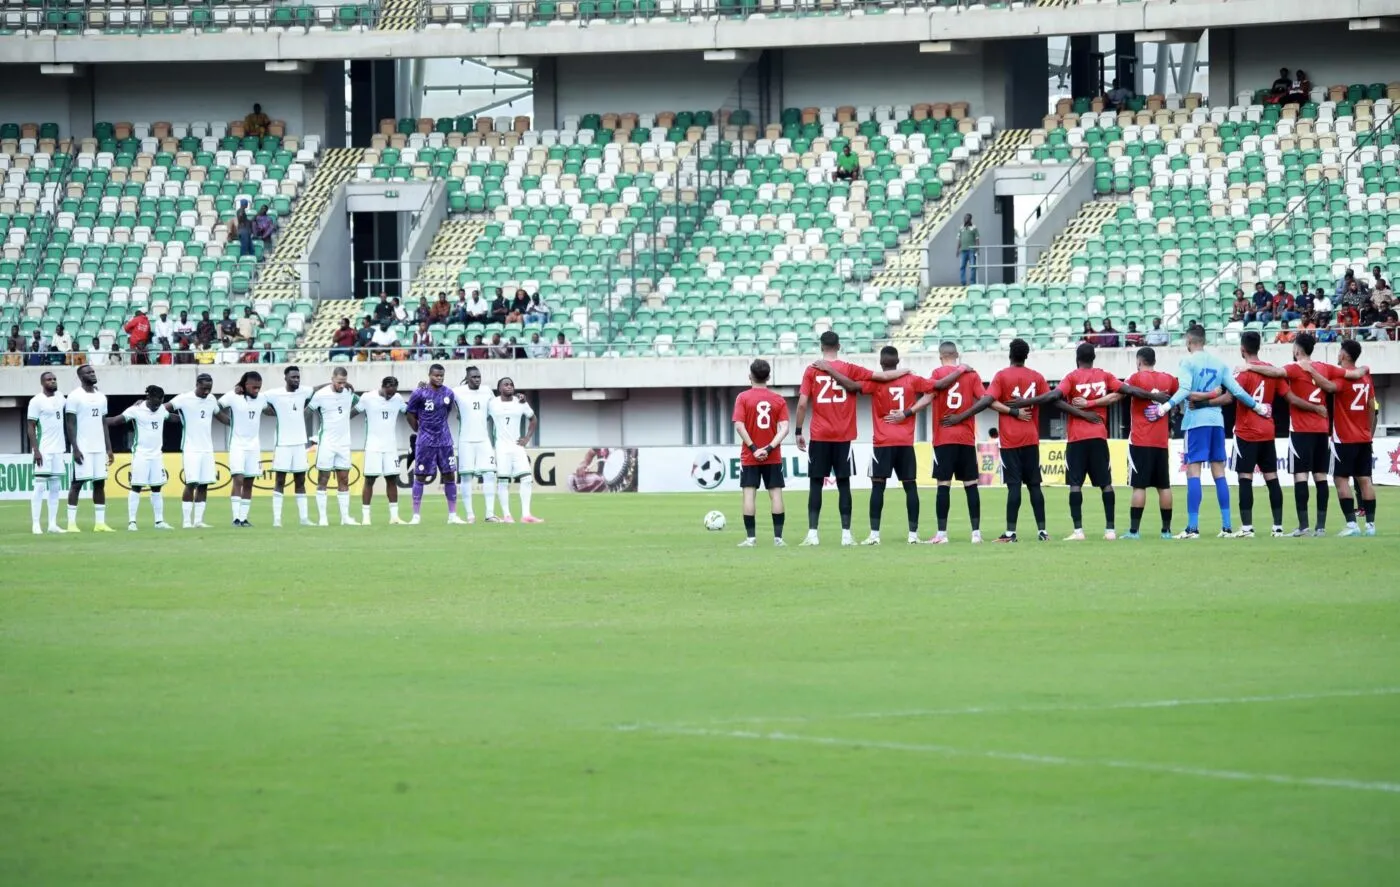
(330, 458)
(290, 459)
(94, 467)
(512, 462)
(380, 463)
(53, 465)
(198, 468)
(147, 470)
(477, 458)
(245, 461)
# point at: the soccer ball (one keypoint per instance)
(708, 471)
(714, 521)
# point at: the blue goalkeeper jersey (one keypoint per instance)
(1199, 372)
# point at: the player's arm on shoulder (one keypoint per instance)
(1066, 407)
(1127, 390)
(890, 375)
(1298, 403)
(1323, 379)
(978, 406)
(1356, 374)
(1268, 371)
(951, 379)
(1050, 396)
(843, 380)
(896, 416)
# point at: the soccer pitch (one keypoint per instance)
(619, 697)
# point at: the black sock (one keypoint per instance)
(814, 502)
(877, 504)
(1348, 508)
(1110, 499)
(1369, 506)
(1321, 504)
(750, 526)
(1247, 501)
(1134, 517)
(778, 524)
(1076, 508)
(843, 501)
(974, 507)
(911, 504)
(1300, 501)
(1275, 500)
(1038, 506)
(1166, 520)
(940, 507)
(1013, 506)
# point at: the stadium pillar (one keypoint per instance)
(1013, 71)
(1083, 75)
(547, 93)
(373, 97)
(1125, 62)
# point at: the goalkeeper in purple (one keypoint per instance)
(429, 408)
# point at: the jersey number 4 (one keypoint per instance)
(828, 392)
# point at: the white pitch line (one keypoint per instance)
(1046, 760)
(1050, 707)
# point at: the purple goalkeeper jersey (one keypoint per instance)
(432, 406)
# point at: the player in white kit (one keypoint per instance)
(84, 419)
(146, 418)
(382, 410)
(335, 405)
(242, 411)
(196, 411)
(45, 426)
(476, 458)
(288, 404)
(513, 423)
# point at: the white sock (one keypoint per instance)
(303, 506)
(55, 490)
(133, 506)
(36, 503)
(527, 488)
(276, 506)
(158, 506)
(244, 506)
(365, 513)
(101, 513)
(503, 492)
(187, 512)
(343, 497)
(393, 510)
(465, 492)
(237, 503)
(72, 515)
(199, 512)
(488, 483)
(321, 505)
(874, 534)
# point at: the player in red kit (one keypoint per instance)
(833, 429)
(1149, 462)
(1255, 449)
(761, 423)
(1355, 411)
(894, 441)
(1308, 386)
(954, 438)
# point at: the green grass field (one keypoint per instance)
(619, 697)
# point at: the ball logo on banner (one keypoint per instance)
(1395, 461)
(708, 471)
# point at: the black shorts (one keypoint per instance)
(1021, 465)
(1312, 452)
(955, 461)
(1087, 458)
(1256, 455)
(1352, 460)
(829, 457)
(770, 477)
(894, 462)
(1149, 468)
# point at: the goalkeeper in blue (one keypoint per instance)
(1201, 376)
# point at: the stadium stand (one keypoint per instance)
(84, 17)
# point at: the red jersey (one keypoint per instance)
(956, 398)
(1011, 384)
(1090, 383)
(833, 407)
(760, 409)
(886, 397)
(1249, 425)
(1301, 383)
(1146, 433)
(1351, 410)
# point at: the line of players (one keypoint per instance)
(1339, 442)
(493, 428)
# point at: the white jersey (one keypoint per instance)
(471, 414)
(245, 416)
(336, 410)
(290, 409)
(381, 421)
(146, 425)
(47, 413)
(90, 410)
(509, 418)
(197, 419)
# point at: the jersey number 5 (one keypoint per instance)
(765, 414)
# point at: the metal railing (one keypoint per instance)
(37, 252)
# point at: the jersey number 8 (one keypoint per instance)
(765, 417)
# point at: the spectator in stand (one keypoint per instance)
(1285, 335)
(184, 327)
(96, 356)
(240, 230)
(183, 355)
(1303, 301)
(1282, 305)
(1089, 334)
(14, 347)
(115, 357)
(1240, 310)
(1119, 96)
(1278, 92)
(228, 354)
(264, 226)
(61, 341)
(204, 354)
(460, 351)
(500, 308)
(1347, 279)
(400, 312)
(1157, 337)
(1132, 338)
(363, 336)
(538, 312)
(1299, 89)
(561, 348)
(847, 165)
(442, 309)
(968, 240)
(383, 340)
(205, 332)
(34, 352)
(249, 355)
(423, 313)
(499, 349)
(76, 356)
(1262, 302)
(478, 351)
(477, 309)
(344, 340)
(1322, 307)
(422, 342)
(1389, 323)
(383, 310)
(1355, 295)
(1370, 320)
(256, 123)
(536, 349)
(248, 324)
(1108, 336)
(138, 333)
(518, 307)
(228, 327)
(163, 330)
(1348, 318)
(458, 314)
(1381, 293)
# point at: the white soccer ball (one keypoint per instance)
(714, 521)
